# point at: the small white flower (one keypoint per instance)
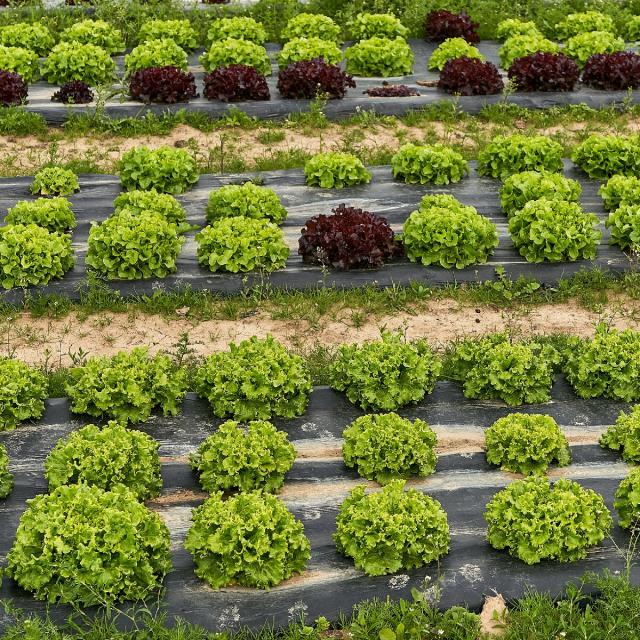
(297, 611)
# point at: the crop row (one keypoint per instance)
(99, 476)
(439, 26)
(417, 21)
(309, 78)
(144, 235)
(156, 70)
(251, 539)
(259, 379)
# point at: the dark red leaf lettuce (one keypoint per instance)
(349, 238)
(544, 72)
(470, 77)
(166, 85)
(235, 83)
(73, 92)
(443, 24)
(309, 78)
(392, 91)
(13, 89)
(612, 71)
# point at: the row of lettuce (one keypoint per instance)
(91, 539)
(85, 545)
(255, 455)
(544, 70)
(463, 72)
(440, 26)
(85, 50)
(144, 235)
(592, 52)
(156, 70)
(381, 375)
(416, 20)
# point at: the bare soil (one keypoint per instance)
(176, 497)
(55, 341)
(25, 154)
(493, 615)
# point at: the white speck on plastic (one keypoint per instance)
(229, 617)
(398, 582)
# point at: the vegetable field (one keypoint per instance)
(319, 319)
(394, 200)
(463, 482)
(279, 107)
